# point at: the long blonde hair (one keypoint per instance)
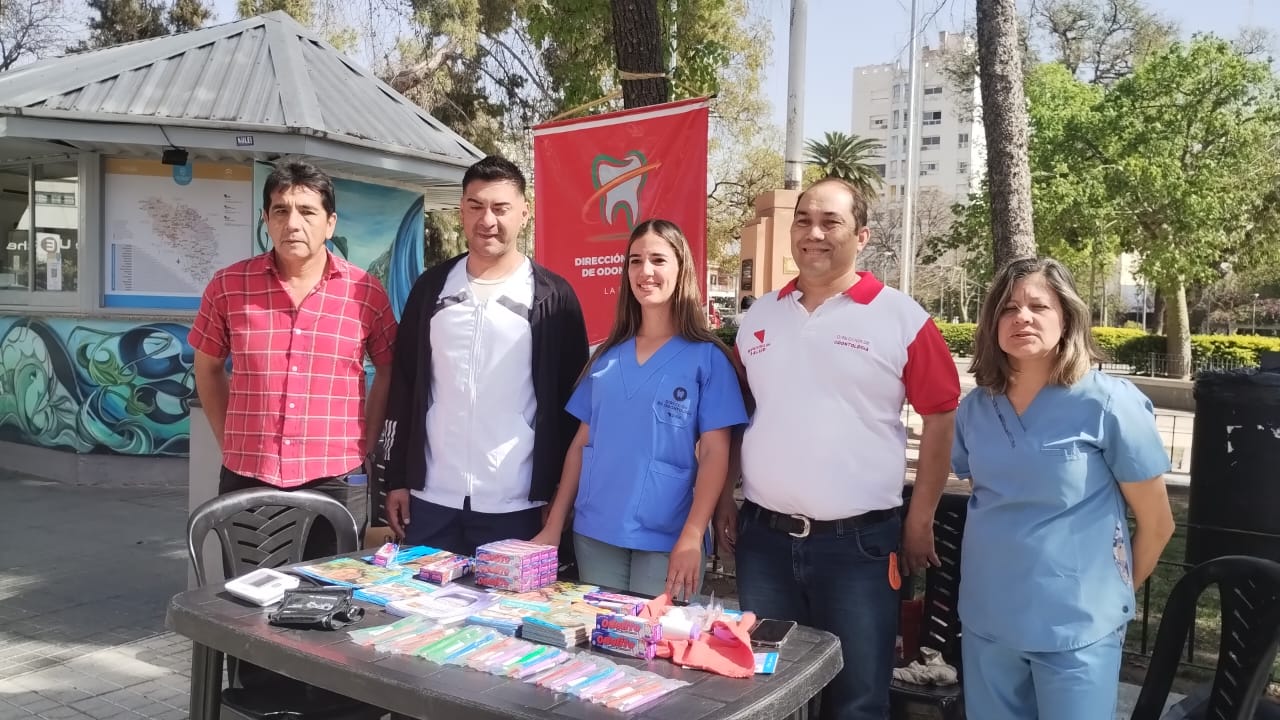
(688, 313)
(1077, 350)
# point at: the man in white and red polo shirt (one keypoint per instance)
(297, 322)
(829, 360)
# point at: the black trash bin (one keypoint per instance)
(1234, 502)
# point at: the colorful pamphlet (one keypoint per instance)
(348, 572)
(402, 588)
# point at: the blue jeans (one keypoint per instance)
(834, 581)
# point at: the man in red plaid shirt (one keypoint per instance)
(297, 322)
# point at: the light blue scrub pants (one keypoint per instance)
(1005, 684)
(617, 568)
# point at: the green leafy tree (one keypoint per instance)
(491, 69)
(1178, 161)
(124, 21)
(847, 157)
(301, 10)
(185, 15)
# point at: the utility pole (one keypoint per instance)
(794, 161)
(906, 257)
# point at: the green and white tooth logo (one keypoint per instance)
(618, 183)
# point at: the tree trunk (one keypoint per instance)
(637, 41)
(1004, 117)
(1178, 324)
(1157, 310)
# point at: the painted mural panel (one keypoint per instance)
(114, 386)
(93, 386)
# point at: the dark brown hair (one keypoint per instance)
(1077, 351)
(688, 313)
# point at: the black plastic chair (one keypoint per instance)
(267, 528)
(940, 623)
(1249, 588)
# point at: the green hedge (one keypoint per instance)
(959, 337)
(1134, 347)
(1126, 346)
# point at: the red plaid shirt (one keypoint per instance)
(296, 411)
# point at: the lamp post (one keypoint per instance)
(1254, 322)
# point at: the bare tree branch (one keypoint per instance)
(31, 29)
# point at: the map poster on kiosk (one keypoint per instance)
(169, 228)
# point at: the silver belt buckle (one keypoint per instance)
(803, 533)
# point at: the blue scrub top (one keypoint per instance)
(1045, 563)
(639, 464)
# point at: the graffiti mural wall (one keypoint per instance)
(95, 386)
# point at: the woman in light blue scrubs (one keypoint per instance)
(657, 404)
(1055, 452)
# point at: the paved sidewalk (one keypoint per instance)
(85, 576)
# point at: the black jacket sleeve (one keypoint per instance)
(402, 396)
(572, 360)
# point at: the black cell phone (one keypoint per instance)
(771, 633)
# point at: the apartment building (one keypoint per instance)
(947, 120)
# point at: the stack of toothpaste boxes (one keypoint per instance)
(515, 565)
(622, 631)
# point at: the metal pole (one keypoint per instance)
(906, 258)
(794, 164)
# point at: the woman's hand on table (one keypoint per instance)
(684, 566)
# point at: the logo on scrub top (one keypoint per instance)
(680, 394)
(760, 346)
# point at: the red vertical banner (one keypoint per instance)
(596, 178)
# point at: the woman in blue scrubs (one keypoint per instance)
(1055, 452)
(656, 404)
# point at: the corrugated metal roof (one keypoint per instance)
(263, 74)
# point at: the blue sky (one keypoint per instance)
(844, 34)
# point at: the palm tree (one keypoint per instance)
(849, 158)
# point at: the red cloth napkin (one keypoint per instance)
(725, 649)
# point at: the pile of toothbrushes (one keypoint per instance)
(592, 678)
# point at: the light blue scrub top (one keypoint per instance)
(1046, 560)
(639, 464)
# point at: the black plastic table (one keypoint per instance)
(218, 623)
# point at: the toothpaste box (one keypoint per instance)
(631, 626)
(623, 644)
